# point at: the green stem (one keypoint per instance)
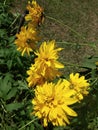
(93, 81)
(71, 64)
(28, 124)
(60, 22)
(4, 2)
(14, 21)
(3, 106)
(72, 43)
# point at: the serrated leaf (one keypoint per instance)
(12, 93)
(13, 106)
(22, 85)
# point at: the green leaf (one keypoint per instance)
(5, 85)
(11, 93)
(9, 64)
(11, 39)
(31, 127)
(19, 61)
(3, 33)
(8, 127)
(38, 126)
(13, 106)
(1, 94)
(90, 63)
(22, 84)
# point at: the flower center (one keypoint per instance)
(71, 86)
(28, 41)
(46, 59)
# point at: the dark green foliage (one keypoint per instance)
(15, 96)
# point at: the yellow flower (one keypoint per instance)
(46, 60)
(51, 103)
(35, 13)
(78, 84)
(46, 65)
(34, 77)
(26, 39)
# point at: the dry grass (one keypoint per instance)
(80, 19)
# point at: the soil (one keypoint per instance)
(74, 28)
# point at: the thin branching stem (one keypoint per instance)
(28, 123)
(80, 44)
(61, 23)
(14, 21)
(93, 82)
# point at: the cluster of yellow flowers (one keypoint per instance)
(28, 36)
(52, 100)
(46, 65)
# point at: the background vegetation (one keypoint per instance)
(74, 25)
